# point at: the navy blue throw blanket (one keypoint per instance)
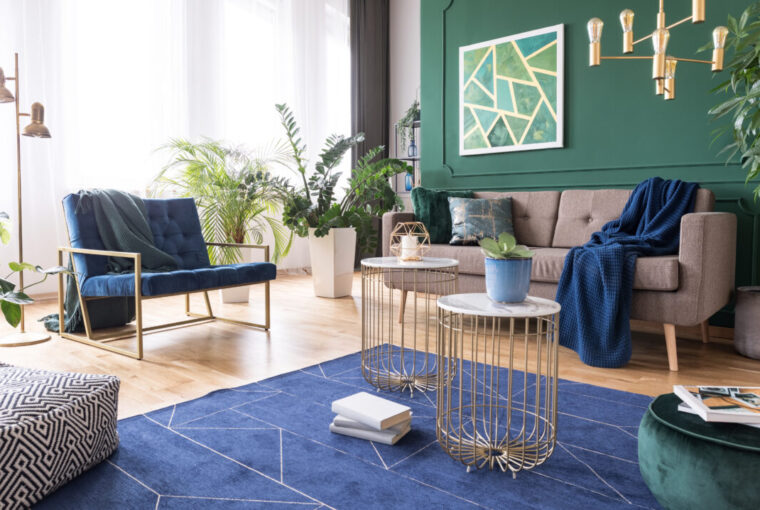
(597, 281)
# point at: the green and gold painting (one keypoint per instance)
(510, 93)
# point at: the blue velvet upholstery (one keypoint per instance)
(177, 231)
(184, 280)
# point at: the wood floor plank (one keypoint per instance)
(187, 363)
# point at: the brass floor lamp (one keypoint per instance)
(35, 129)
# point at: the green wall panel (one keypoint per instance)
(617, 132)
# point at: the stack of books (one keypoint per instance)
(726, 404)
(369, 417)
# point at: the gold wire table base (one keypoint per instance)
(498, 408)
(398, 321)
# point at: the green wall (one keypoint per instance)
(617, 132)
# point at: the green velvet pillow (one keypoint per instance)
(472, 219)
(431, 207)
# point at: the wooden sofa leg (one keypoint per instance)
(670, 344)
(705, 327)
(402, 306)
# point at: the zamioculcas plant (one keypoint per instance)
(505, 248)
(10, 298)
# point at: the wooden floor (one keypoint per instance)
(186, 363)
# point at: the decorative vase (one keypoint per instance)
(332, 262)
(409, 182)
(238, 294)
(411, 151)
(508, 280)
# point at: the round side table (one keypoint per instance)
(500, 408)
(398, 314)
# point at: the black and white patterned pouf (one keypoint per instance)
(53, 427)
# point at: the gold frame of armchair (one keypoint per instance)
(101, 341)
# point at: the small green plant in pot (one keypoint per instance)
(508, 266)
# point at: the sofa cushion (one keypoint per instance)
(175, 282)
(583, 212)
(431, 207)
(652, 273)
(473, 219)
(471, 259)
(534, 214)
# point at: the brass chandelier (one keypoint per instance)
(663, 65)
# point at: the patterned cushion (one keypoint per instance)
(431, 207)
(53, 427)
(472, 219)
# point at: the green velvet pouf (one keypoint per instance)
(691, 465)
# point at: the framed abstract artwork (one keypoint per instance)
(511, 93)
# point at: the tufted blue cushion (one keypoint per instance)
(184, 280)
(177, 231)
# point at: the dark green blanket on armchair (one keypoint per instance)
(122, 222)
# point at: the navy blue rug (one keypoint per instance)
(267, 445)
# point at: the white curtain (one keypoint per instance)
(118, 79)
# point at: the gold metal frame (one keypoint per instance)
(101, 342)
(664, 80)
(387, 362)
(484, 417)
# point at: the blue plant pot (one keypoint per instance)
(508, 280)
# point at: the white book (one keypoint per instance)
(389, 436)
(342, 421)
(372, 411)
(684, 408)
(729, 404)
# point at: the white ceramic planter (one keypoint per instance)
(237, 294)
(332, 262)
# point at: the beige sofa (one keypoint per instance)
(683, 289)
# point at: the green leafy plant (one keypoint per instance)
(743, 85)
(11, 299)
(406, 124)
(238, 199)
(505, 248)
(313, 203)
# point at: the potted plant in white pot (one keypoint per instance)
(333, 225)
(508, 267)
(238, 200)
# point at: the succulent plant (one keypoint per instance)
(505, 247)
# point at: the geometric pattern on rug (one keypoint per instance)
(267, 445)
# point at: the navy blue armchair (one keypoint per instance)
(177, 231)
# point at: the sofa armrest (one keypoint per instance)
(707, 261)
(390, 219)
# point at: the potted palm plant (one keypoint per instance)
(508, 266)
(336, 225)
(238, 199)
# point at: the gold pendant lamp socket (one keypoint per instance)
(626, 22)
(663, 65)
(594, 27)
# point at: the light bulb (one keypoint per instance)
(660, 44)
(719, 44)
(594, 27)
(697, 11)
(626, 21)
(670, 78)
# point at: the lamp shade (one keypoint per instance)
(37, 127)
(5, 94)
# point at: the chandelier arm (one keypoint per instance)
(692, 60)
(637, 41)
(627, 58)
